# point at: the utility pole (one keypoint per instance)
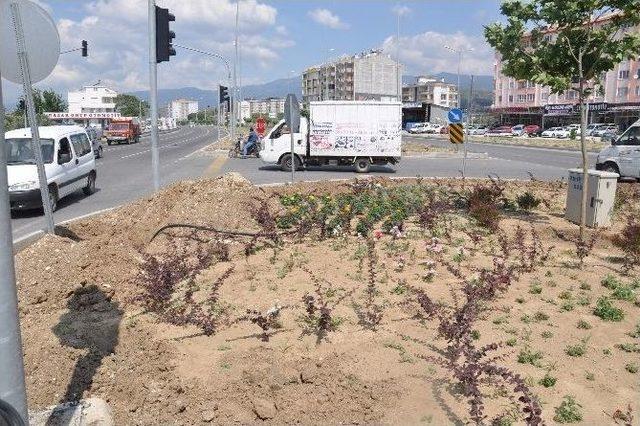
(12, 386)
(153, 95)
(466, 136)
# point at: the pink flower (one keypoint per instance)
(377, 234)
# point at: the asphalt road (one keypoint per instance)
(124, 174)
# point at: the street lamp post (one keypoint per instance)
(460, 52)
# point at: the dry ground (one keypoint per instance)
(85, 335)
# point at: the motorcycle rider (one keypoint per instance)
(252, 141)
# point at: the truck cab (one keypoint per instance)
(276, 145)
(623, 156)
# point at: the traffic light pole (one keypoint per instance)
(12, 386)
(153, 95)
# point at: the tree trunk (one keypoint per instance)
(585, 160)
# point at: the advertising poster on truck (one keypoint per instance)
(356, 129)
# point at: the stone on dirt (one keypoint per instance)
(264, 408)
(88, 412)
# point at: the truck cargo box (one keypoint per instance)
(355, 129)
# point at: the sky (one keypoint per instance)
(278, 38)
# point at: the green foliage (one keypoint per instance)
(611, 282)
(44, 101)
(548, 381)
(527, 356)
(631, 367)
(528, 201)
(607, 312)
(568, 411)
(129, 105)
(583, 325)
(576, 350)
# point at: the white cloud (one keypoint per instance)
(426, 53)
(328, 19)
(118, 43)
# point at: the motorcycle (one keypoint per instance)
(236, 151)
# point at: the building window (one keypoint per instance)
(500, 97)
(622, 92)
(623, 74)
(637, 90)
(531, 97)
(521, 98)
(544, 96)
(510, 98)
(443, 97)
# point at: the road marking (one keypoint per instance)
(215, 167)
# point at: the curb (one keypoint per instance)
(445, 155)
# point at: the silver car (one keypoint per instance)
(96, 141)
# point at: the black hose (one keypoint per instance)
(9, 416)
(217, 231)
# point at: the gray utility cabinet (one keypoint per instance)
(601, 194)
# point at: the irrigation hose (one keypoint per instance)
(217, 231)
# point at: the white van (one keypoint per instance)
(68, 161)
(623, 156)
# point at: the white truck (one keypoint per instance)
(340, 133)
(623, 156)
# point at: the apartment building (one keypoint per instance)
(430, 91)
(270, 107)
(370, 75)
(180, 109)
(527, 102)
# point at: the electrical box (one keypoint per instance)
(601, 195)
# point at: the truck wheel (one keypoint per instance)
(362, 165)
(53, 197)
(109, 143)
(611, 168)
(285, 163)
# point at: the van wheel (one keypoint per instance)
(53, 197)
(285, 163)
(90, 188)
(109, 143)
(362, 165)
(100, 152)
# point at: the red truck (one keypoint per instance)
(123, 130)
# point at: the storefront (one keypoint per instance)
(85, 119)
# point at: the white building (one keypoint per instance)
(96, 99)
(431, 91)
(270, 107)
(180, 109)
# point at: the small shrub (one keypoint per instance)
(535, 288)
(624, 292)
(629, 242)
(565, 295)
(546, 335)
(576, 350)
(583, 325)
(527, 356)
(629, 347)
(527, 201)
(567, 306)
(585, 286)
(483, 205)
(568, 411)
(611, 282)
(590, 376)
(540, 316)
(511, 342)
(548, 381)
(632, 367)
(607, 312)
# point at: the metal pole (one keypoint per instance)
(219, 112)
(466, 136)
(153, 95)
(293, 158)
(398, 61)
(234, 96)
(12, 386)
(458, 86)
(33, 121)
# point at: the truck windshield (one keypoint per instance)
(119, 126)
(19, 151)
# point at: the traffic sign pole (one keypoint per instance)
(466, 136)
(31, 113)
(12, 385)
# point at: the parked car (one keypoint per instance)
(123, 130)
(96, 141)
(419, 128)
(623, 156)
(435, 128)
(499, 131)
(444, 130)
(68, 161)
(478, 131)
(556, 132)
(518, 130)
(532, 130)
(600, 131)
(593, 127)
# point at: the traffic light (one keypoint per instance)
(224, 95)
(85, 48)
(164, 36)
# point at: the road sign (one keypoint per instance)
(455, 116)
(292, 113)
(261, 126)
(456, 135)
(41, 39)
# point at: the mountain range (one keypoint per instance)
(281, 87)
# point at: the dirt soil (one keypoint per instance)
(85, 335)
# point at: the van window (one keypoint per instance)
(64, 147)
(631, 137)
(283, 129)
(19, 151)
(81, 144)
